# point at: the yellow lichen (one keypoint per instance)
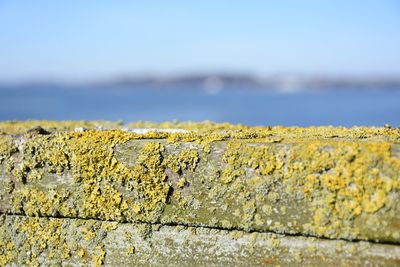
(353, 178)
(89, 156)
(7, 147)
(100, 256)
(87, 232)
(131, 249)
(341, 174)
(38, 203)
(17, 127)
(81, 253)
(186, 159)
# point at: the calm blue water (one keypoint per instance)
(236, 105)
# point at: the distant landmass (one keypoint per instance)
(217, 82)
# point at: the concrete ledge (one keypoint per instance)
(73, 242)
(331, 183)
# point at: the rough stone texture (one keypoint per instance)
(214, 179)
(73, 242)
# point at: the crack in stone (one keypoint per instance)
(207, 227)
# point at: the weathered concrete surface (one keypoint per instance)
(332, 188)
(73, 242)
(326, 182)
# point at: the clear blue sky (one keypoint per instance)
(89, 39)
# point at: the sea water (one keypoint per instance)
(251, 106)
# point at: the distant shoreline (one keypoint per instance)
(216, 82)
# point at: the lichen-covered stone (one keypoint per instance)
(28, 241)
(319, 181)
